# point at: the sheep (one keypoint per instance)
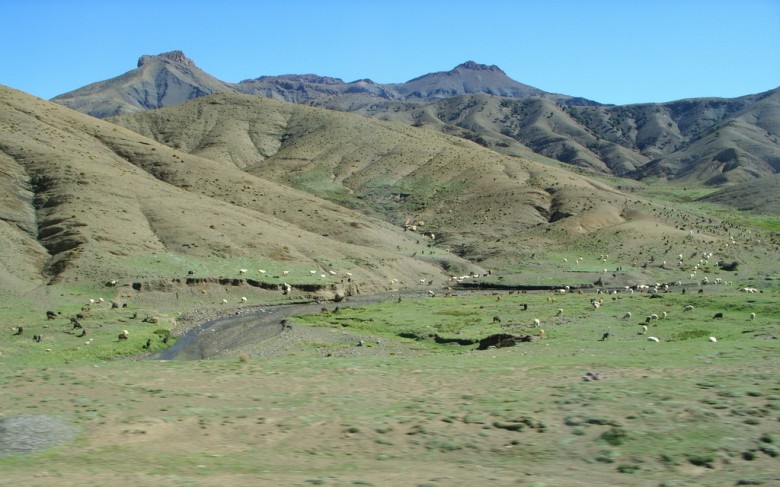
(243, 271)
(261, 271)
(37, 338)
(752, 316)
(224, 301)
(664, 314)
(559, 312)
(688, 308)
(19, 330)
(51, 315)
(712, 339)
(124, 335)
(653, 339)
(537, 323)
(644, 329)
(285, 273)
(627, 315)
(717, 316)
(496, 319)
(243, 299)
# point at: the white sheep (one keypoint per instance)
(688, 308)
(752, 316)
(537, 323)
(713, 339)
(243, 271)
(261, 271)
(653, 339)
(285, 273)
(243, 299)
(224, 301)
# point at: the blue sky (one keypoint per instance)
(619, 52)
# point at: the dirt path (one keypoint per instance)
(218, 333)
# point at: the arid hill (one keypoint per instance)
(486, 207)
(89, 200)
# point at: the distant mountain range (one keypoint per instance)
(712, 141)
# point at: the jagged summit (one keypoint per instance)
(175, 56)
(474, 66)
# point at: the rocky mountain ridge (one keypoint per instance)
(710, 141)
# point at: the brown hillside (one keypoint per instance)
(476, 202)
(90, 200)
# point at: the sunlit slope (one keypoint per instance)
(89, 200)
(468, 197)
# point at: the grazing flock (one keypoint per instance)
(603, 297)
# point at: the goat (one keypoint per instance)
(124, 335)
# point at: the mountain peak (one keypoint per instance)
(175, 56)
(472, 66)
